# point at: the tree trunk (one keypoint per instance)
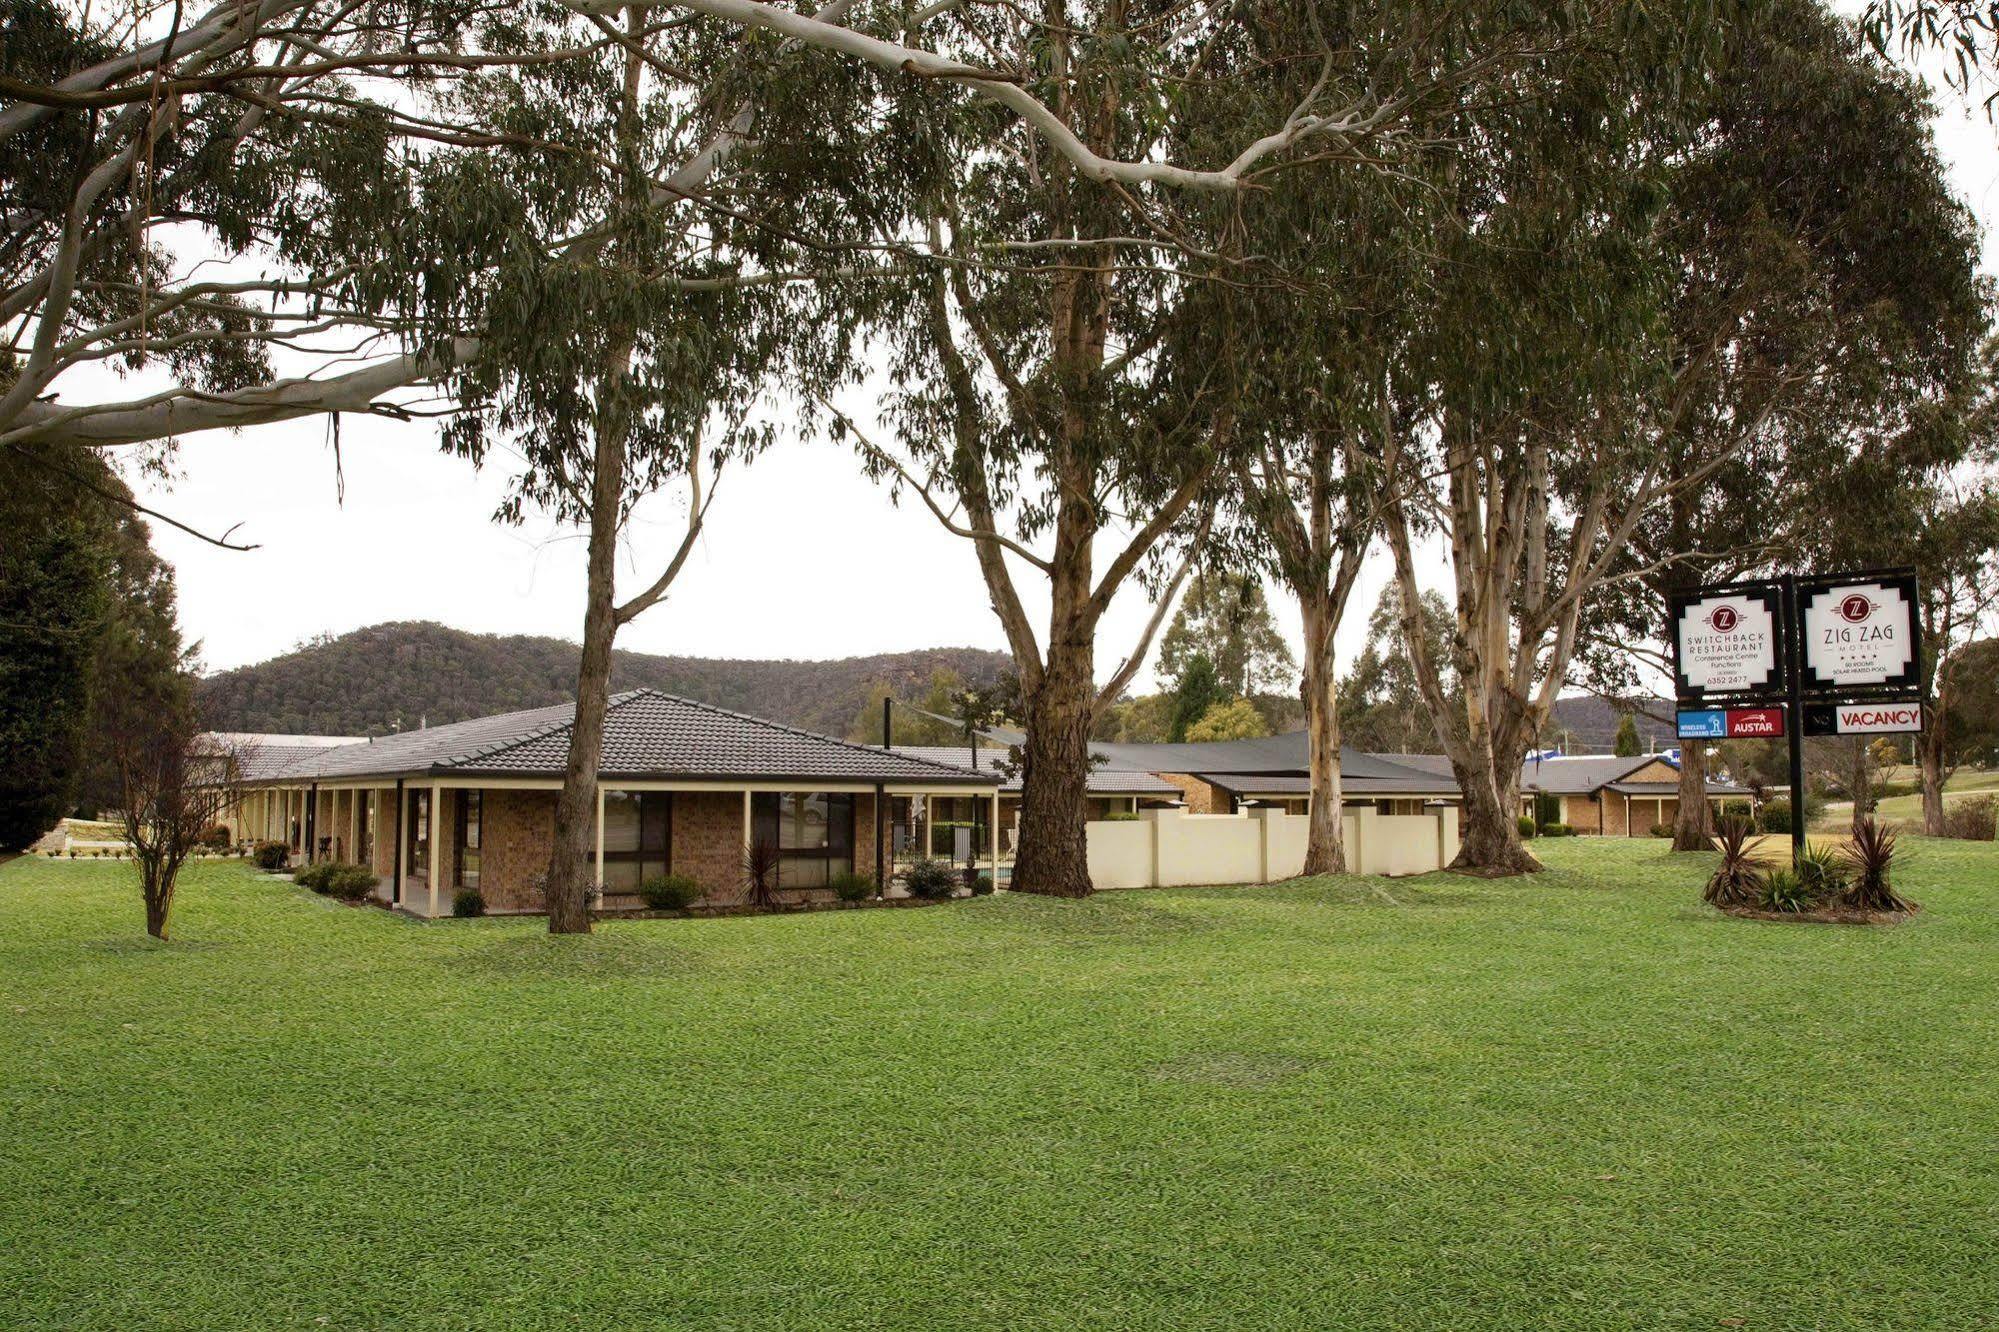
(1492, 842)
(1929, 757)
(572, 860)
(156, 886)
(1862, 782)
(1693, 825)
(1054, 854)
(1325, 842)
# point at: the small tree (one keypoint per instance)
(1226, 617)
(1197, 690)
(1237, 719)
(174, 783)
(1627, 744)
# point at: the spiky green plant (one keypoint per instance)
(1784, 889)
(1733, 883)
(1871, 855)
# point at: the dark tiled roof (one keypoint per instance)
(647, 734)
(260, 757)
(1286, 755)
(993, 757)
(267, 762)
(1669, 789)
(1578, 774)
(1258, 784)
(1270, 753)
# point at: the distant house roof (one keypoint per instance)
(1583, 774)
(1579, 774)
(1288, 753)
(1253, 785)
(647, 735)
(266, 757)
(1670, 789)
(993, 758)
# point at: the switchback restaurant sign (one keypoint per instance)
(1728, 642)
(1817, 654)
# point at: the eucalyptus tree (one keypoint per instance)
(1712, 231)
(174, 187)
(1928, 499)
(259, 127)
(1073, 371)
(1823, 333)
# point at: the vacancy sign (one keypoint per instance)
(1863, 718)
(1732, 724)
(1858, 633)
(1726, 642)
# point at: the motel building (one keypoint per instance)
(683, 788)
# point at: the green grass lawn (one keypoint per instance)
(1963, 783)
(1580, 1100)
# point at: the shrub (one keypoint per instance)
(853, 887)
(1739, 809)
(930, 880)
(316, 876)
(272, 855)
(215, 837)
(1777, 816)
(349, 883)
(1972, 819)
(1526, 826)
(1120, 816)
(761, 859)
(1557, 830)
(1872, 856)
(1661, 830)
(670, 892)
(1782, 890)
(1823, 871)
(982, 886)
(1733, 882)
(468, 902)
(1547, 810)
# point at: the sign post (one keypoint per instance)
(1794, 684)
(1840, 652)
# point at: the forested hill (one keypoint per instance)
(401, 675)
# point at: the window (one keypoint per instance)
(419, 834)
(814, 833)
(950, 813)
(364, 844)
(638, 838)
(465, 843)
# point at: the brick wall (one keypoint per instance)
(708, 840)
(1202, 797)
(515, 832)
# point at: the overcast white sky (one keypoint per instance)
(803, 557)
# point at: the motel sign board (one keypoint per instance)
(1858, 634)
(1839, 652)
(1863, 718)
(1728, 642)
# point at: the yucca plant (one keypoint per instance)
(1785, 890)
(760, 867)
(1871, 856)
(1733, 883)
(1823, 871)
